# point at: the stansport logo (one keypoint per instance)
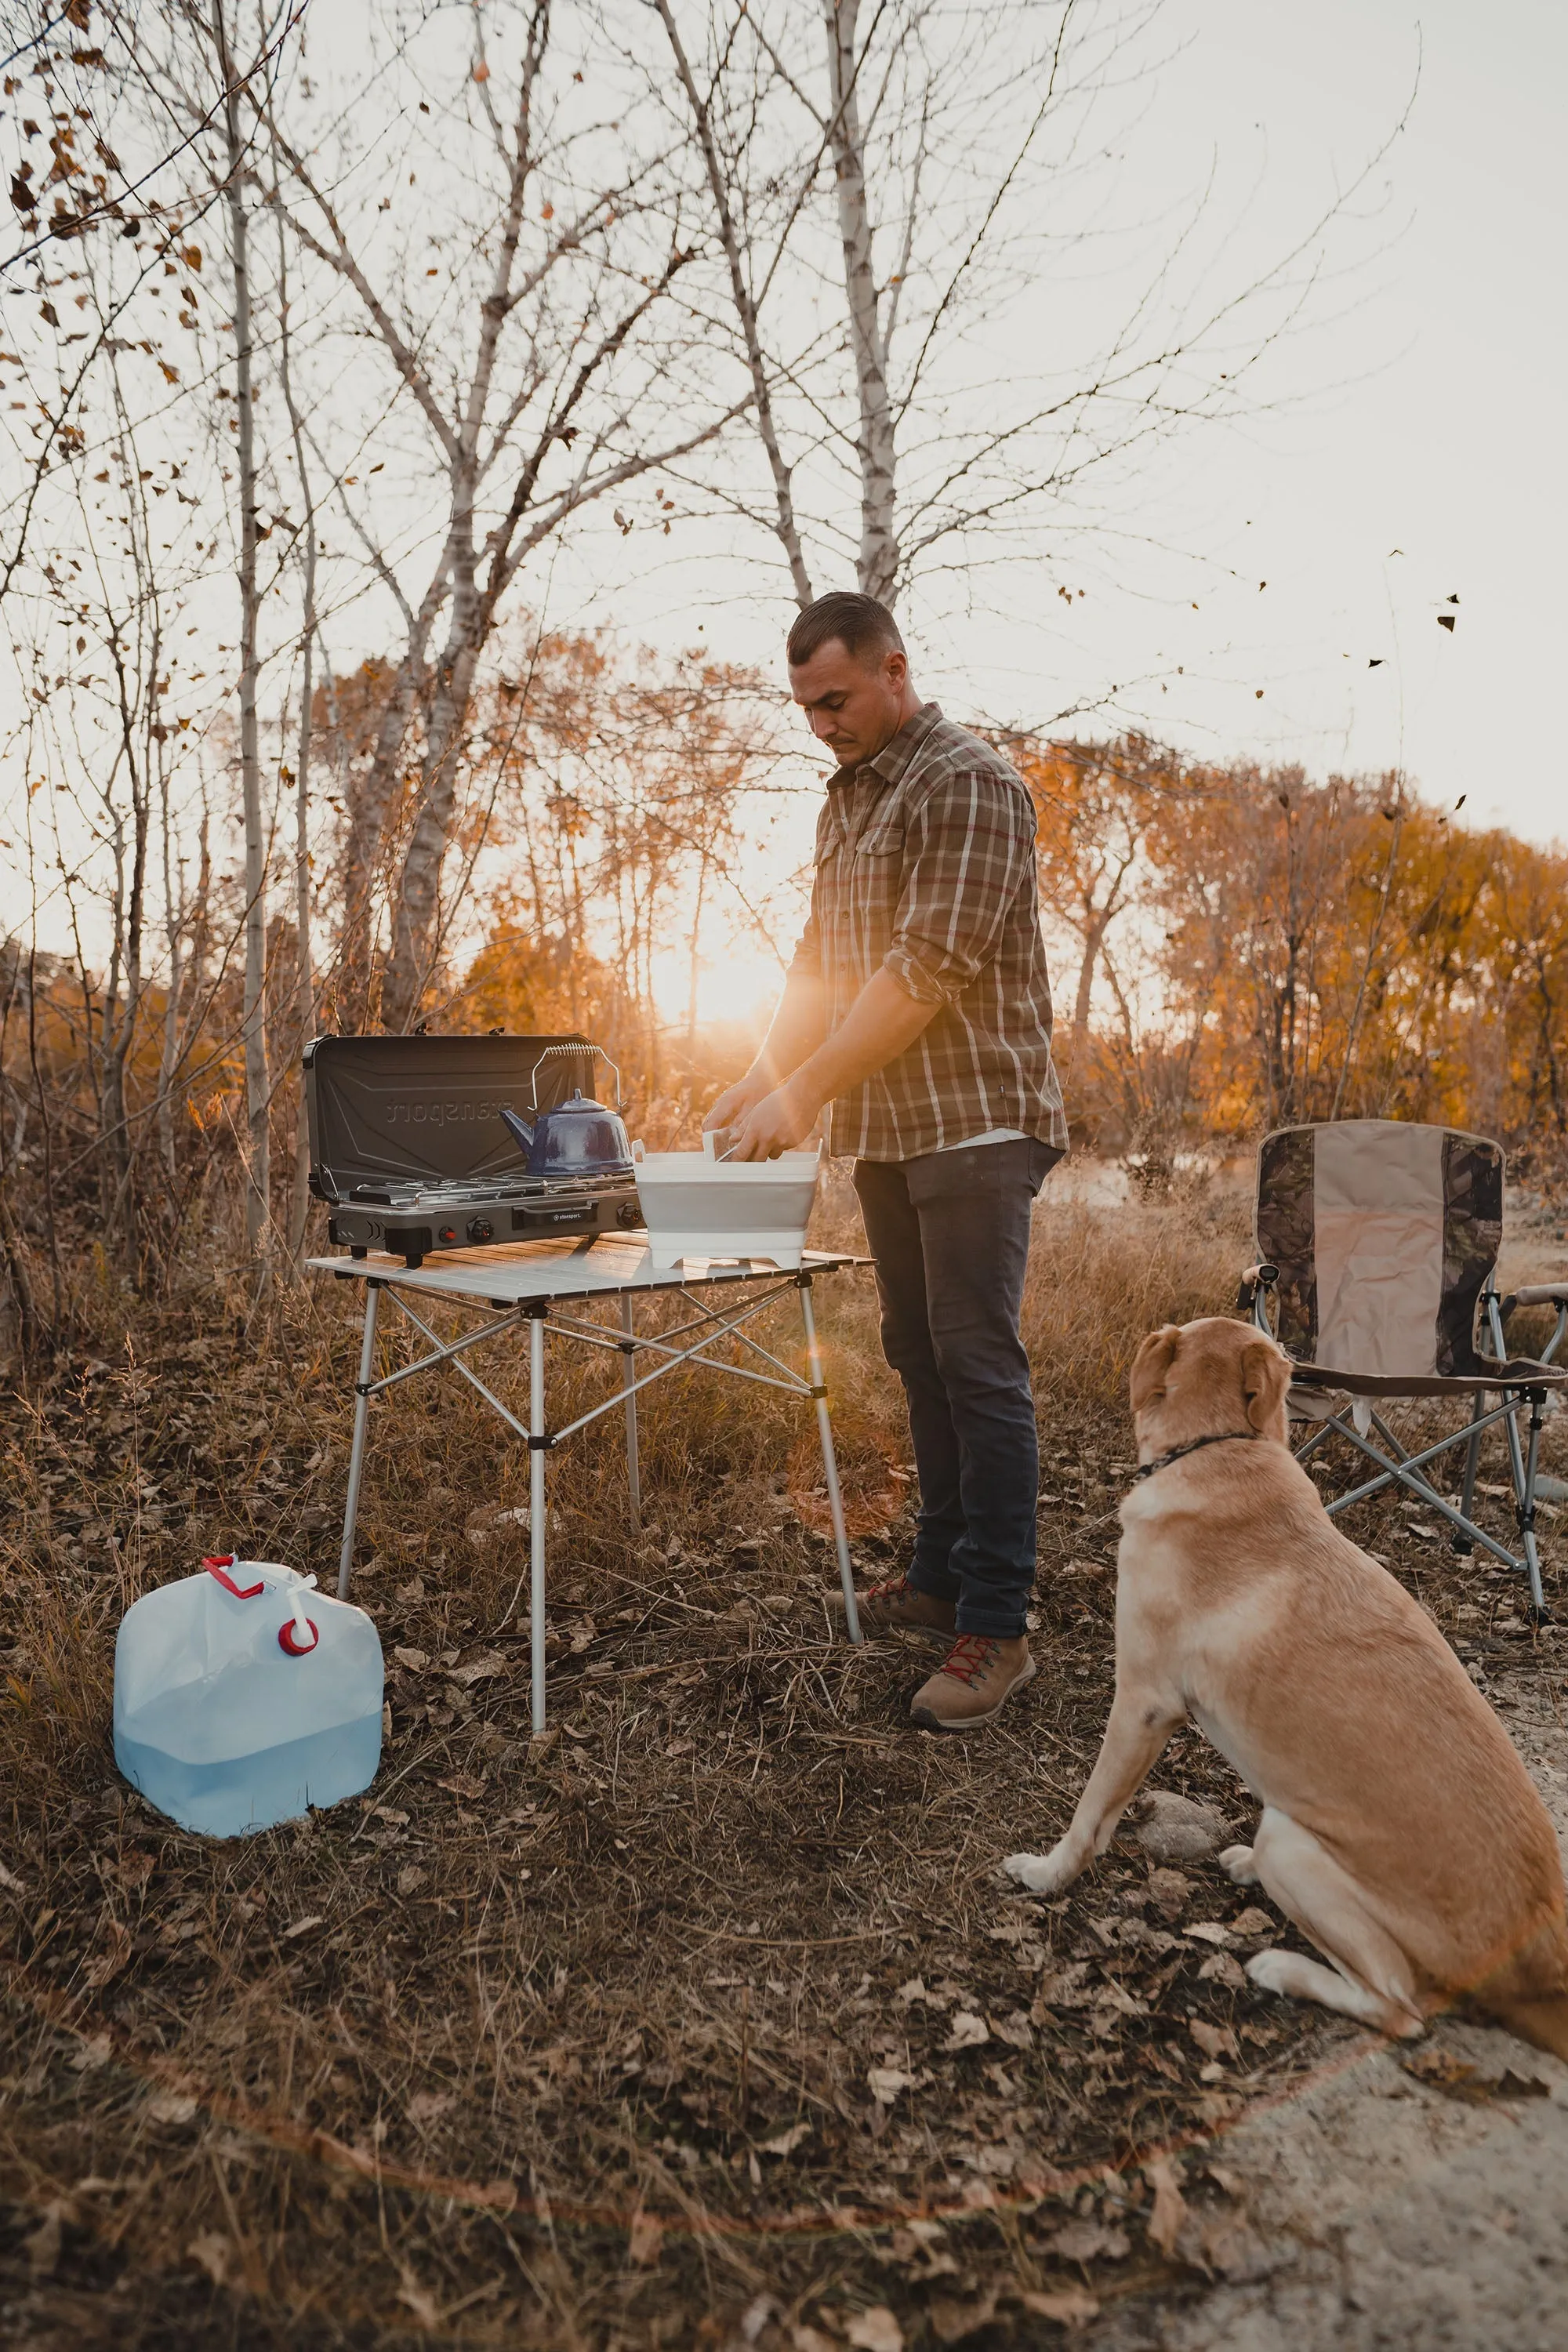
(453, 1112)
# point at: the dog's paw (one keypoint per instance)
(1274, 1971)
(1042, 1873)
(1237, 1860)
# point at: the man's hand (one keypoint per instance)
(731, 1105)
(777, 1123)
(883, 1021)
(796, 1030)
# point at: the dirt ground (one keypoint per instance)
(707, 2021)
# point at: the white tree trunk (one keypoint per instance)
(878, 568)
(254, 1030)
(746, 313)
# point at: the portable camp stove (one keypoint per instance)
(410, 1154)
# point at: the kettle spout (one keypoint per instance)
(518, 1128)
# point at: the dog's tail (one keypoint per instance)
(1544, 2022)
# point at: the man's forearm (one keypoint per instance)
(883, 1022)
(797, 1031)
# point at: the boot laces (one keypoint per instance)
(889, 1588)
(970, 1658)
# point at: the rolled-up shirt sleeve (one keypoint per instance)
(807, 962)
(968, 850)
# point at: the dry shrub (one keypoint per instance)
(1101, 1278)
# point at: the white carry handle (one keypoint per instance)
(247, 1579)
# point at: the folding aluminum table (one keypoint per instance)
(534, 1282)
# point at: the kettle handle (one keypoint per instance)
(575, 1051)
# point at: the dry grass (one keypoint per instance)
(583, 2046)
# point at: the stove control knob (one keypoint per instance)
(629, 1215)
(480, 1229)
(448, 1233)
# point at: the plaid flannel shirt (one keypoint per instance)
(925, 864)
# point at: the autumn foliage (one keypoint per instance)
(1246, 948)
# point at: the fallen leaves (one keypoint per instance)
(1070, 2308)
(876, 2330)
(887, 2082)
(1457, 2078)
(1168, 1892)
(1170, 2208)
(1087, 2242)
(1214, 2041)
(952, 2320)
(646, 2242)
(214, 2254)
(968, 2031)
(42, 2244)
(172, 2107)
(428, 2106)
(784, 2143)
(106, 1966)
(479, 1670)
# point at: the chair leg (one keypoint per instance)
(1523, 1463)
(1461, 1542)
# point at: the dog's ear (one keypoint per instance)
(1152, 1363)
(1265, 1377)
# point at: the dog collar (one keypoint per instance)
(1224, 1437)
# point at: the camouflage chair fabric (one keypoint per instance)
(1386, 1235)
(1378, 1241)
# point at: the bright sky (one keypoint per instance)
(1421, 413)
(1430, 423)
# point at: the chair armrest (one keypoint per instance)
(1542, 1294)
(1251, 1298)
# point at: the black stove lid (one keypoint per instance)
(426, 1110)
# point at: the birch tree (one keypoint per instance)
(896, 190)
(258, 1093)
(540, 375)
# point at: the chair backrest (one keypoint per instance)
(1385, 1234)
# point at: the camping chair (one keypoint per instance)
(1377, 1243)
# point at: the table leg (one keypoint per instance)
(536, 1451)
(356, 1453)
(628, 1381)
(829, 1461)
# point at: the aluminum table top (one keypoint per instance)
(568, 1267)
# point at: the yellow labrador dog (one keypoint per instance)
(1400, 1831)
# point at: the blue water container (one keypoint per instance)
(243, 1698)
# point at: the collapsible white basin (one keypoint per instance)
(697, 1207)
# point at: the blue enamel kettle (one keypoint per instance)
(579, 1138)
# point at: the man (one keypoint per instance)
(918, 1006)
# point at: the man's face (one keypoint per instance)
(854, 706)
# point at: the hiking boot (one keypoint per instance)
(897, 1606)
(974, 1682)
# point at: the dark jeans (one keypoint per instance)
(950, 1234)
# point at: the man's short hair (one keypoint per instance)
(865, 629)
